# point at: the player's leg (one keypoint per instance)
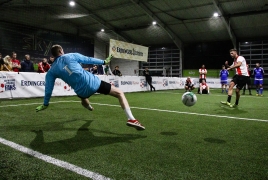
(241, 82)
(230, 90)
(115, 92)
(256, 83)
(186, 88)
(222, 87)
(261, 88)
(86, 104)
(249, 85)
(200, 89)
(149, 81)
(244, 89)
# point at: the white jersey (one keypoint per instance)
(242, 70)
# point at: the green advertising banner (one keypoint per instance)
(214, 73)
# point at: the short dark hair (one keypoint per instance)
(55, 50)
(223, 66)
(116, 66)
(233, 50)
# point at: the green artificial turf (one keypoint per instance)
(205, 141)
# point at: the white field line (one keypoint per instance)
(150, 109)
(51, 160)
(224, 95)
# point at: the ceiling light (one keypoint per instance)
(102, 30)
(246, 42)
(72, 3)
(154, 22)
(216, 14)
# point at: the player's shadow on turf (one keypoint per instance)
(223, 109)
(84, 139)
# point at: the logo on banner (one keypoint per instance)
(143, 83)
(126, 82)
(8, 85)
(165, 82)
(67, 87)
(32, 83)
(114, 82)
(113, 48)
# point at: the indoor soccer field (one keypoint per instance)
(66, 141)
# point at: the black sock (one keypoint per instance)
(236, 101)
(229, 98)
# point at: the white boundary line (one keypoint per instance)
(159, 110)
(51, 160)
(225, 95)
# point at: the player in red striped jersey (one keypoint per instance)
(202, 73)
(240, 78)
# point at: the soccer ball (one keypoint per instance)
(188, 99)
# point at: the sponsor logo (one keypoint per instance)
(132, 52)
(172, 82)
(32, 83)
(8, 85)
(67, 87)
(126, 82)
(57, 83)
(191, 72)
(114, 83)
(143, 83)
(165, 82)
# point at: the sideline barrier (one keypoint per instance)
(25, 85)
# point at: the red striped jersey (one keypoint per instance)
(202, 70)
(242, 70)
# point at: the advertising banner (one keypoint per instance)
(123, 50)
(25, 85)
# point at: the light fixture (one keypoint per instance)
(154, 22)
(102, 30)
(246, 42)
(216, 14)
(72, 3)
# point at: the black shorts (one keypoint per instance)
(200, 80)
(204, 91)
(240, 81)
(104, 88)
(189, 86)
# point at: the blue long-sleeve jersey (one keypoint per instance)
(67, 68)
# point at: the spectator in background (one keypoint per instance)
(203, 87)
(189, 85)
(51, 60)
(258, 73)
(202, 75)
(15, 62)
(7, 66)
(94, 70)
(1, 61)
(224, 79)
(148, 78)
(116, 71)
(43, 66)
(27, 64)
(248, 83)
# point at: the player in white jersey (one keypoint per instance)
(240, 78)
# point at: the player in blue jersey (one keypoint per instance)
(258, 73)
(67, 67)
(224, 79)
